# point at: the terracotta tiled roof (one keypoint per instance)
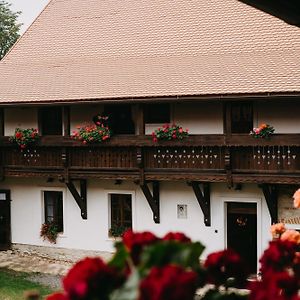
(98, 49)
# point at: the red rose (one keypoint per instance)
(223, 265)
(177, 236)
(57, 296)
(278, 256)
(169, 282)
(91, 278)
(134, 242)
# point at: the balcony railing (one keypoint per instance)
(204, 157)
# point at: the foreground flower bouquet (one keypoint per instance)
(95, 133)
(263, 131)
(169, 132)
(24, 137)
(146, 267)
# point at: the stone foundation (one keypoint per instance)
(62, 254)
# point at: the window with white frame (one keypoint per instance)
(53, 208)
(120, 213)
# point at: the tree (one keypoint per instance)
(9, 28)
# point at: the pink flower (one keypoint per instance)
(297, 199)
(155, 139)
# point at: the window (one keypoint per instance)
(50, 121)
(53, 204)
(157, 113)
(120, 213)
(241, 117)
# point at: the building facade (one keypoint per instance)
(219, 185)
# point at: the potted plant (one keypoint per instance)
(24, 137)
(169, 132)
(263, 131)
(49, 232)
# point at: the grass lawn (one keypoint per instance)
(13, 284)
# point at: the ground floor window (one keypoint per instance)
(53, 204)
(120, 213)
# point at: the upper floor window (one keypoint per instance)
(50, 121)
(53, 205)
(241, 117)
(157, 113)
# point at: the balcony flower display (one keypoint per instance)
(24, 137)
(169, 132)
(263, 131)
(92, 133)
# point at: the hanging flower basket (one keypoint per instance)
(169, 132)
(24, 137)
(49, 232)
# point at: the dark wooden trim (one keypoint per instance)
(80, 198)
(203, 198)
(7, 246)
(220, 140)
(271, 196)
(153, 199)
(66, 120)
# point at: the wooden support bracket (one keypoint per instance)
(271, 196)
(203, 197)
(80, 198)
(228, 168)
(153, 199)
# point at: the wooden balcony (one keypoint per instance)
(210, 158)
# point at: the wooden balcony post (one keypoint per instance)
(140, 119)
(66, 120)
(1, 122)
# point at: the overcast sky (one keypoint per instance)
(30, 10)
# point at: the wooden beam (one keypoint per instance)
(66, 120)
(1, 121)
(80, 198)
(203, 197)
(271, 196)
(227, 118)
(153, 199)
(140, 119)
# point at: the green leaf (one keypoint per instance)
(120, 258)
(130, 290)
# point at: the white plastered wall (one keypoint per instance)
(92, 234)
(282, 115)
(23, 117)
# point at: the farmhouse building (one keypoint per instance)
(217, 68)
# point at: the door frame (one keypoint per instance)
(258, 202)
(8, 201)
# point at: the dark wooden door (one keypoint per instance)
(5, 225)
(242, 231)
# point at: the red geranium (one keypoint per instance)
(91, 278)
(169, 282)
(58, 296)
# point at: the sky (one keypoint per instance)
(30, 10)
